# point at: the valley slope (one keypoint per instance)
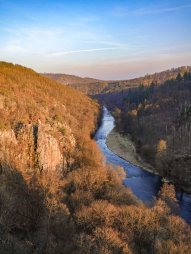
(155, 111)
(95, 86)
(158, 119)
(56, 194)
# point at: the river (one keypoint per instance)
(143, 184)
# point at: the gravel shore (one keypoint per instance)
(124, 148)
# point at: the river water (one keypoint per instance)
(143, 184)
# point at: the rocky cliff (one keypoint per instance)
(37, 145)
(40, 120)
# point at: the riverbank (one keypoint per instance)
(124, 148)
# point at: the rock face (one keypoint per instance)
(7, 140)
(39, 146)
(48, 152)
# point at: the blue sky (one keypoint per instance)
(102, 39)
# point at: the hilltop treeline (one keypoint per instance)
(98, 87)
(85, 85)
(159, 121)
(56, 195)
(156, 78)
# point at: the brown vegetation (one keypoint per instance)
(85, 85)
(80, 206)
(96, 87)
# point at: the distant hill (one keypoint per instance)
(156, 78)
(67, 79)
(94, 86)
(85, 85)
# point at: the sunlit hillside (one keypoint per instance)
(56, 194)
(70, 79)
(85, 85)
(93, 86)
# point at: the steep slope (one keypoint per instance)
(49, 166)
(159, 121)
(56, 194)
(36, 109)
(114, 94)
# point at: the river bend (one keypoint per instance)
(144, 185)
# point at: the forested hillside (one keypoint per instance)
(85, 85)
(93, 86)
(148, 79)
(159, 121)
(56, 194)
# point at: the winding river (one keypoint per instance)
(143, 184)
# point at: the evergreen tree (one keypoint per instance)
(179, 77)
(185, 76)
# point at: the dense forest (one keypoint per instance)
(56, 194)
(148, 79)
(85, 85)
(158, 117)
(96, 87)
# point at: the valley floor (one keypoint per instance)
(124, 148)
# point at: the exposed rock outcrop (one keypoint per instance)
(39, 145)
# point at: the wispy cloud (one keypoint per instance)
(124, 11)
(85, 50)
(29, 39)
(108, 43)
(151, 11)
